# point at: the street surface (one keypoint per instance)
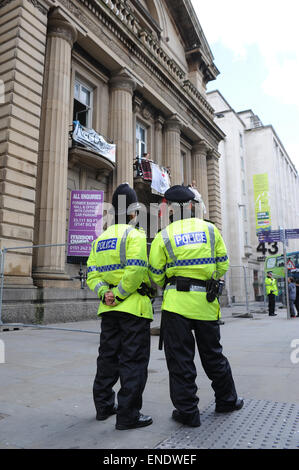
(46, 390)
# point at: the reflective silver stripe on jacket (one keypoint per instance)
(122, 248)
(169, 249)
(122, 291)
(99, 285)
(212, 239)
(123, 257)
(168, 246)
(192, 288)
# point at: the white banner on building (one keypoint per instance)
(93, 141)
(160, 179)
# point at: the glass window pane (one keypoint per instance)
(271, 262)
(85, 96)
(77, 90)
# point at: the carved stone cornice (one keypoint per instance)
(119, 31)
(59, 27)
(119, 19)
(40, 7)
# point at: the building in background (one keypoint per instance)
(131, 72)
(250, 152)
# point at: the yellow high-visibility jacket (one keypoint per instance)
(118, 257)
(190, 248)
(271, 286)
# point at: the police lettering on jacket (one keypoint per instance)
(109, 244)
(190, 238)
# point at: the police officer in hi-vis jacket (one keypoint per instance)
(272, 292)
(184, 259)
(118, 273)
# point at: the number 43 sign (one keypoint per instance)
(272, 250)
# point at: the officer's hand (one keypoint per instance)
(109, 299)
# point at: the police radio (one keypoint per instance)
(214, 288)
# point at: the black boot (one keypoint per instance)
(227, 409)
(140, 423)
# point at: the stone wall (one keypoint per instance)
(22, 46)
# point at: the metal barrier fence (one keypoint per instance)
(245, 289)
(22, 250)
(74, 293)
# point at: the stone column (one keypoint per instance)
(121, 124)
(159, 121)
(214, 187)
(23, 34)
(172, 148)
(199, 171)
(53, 152)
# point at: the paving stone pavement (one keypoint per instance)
(46, 390)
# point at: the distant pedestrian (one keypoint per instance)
(271, 291)
(292, 295)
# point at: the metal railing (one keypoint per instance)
(246, 293)
(82, 276)
(3, 252)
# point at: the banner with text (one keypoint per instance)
(90, 139)
(85, 221)
(261, 202)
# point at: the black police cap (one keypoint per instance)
(179, 193)
(124, 189)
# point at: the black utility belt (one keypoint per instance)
(183, 284)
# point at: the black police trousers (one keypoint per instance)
(123, 354)
(271, 303)
(179, 345)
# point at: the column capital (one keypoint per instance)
(213, 154)
(173, 123)
(201, 146)
(123, 80)
(58, 26)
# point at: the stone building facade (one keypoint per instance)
(248, 149)
(135, 71)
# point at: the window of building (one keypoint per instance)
(246, 238)
(82, 104)
(140, 140)
(243, 187)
